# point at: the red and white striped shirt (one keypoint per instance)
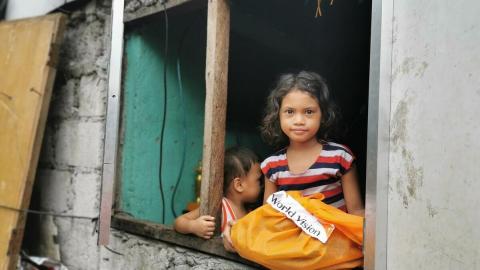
(227, 213)
(323, 176)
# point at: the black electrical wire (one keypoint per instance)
(184, 150)
(164, 114)
(46, 213)
(184, 121)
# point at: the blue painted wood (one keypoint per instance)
(142, 118)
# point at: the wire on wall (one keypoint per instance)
(162, 195)
(184, 121)
(47, 213)
(60, 215)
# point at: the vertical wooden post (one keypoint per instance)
(216, 72)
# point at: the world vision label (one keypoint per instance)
(300, 216)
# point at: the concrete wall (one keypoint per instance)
(69, 174)
(433, 201)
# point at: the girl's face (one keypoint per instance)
(252, 183)
(300, 116)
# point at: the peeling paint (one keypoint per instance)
(405, 201)
(411, 180)
(410, 65)
(432, 212)
(414, 174)
(421, 69)
(399, 124)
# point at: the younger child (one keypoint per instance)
(241, 185)
(299, 116)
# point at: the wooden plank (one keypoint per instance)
(216, 72)
(28, 51)
(133, 15)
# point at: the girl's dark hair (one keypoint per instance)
(238, 161)
(306, 81)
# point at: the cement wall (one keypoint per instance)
(69, 174)
(434, 129)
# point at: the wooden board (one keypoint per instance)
(216, 72)
(28, 56)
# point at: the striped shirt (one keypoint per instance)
(323, 176)
(227, 213)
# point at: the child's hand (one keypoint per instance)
(203, 226)
(227, 239)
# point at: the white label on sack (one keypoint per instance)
(299, 215)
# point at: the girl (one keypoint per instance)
(299, 116)
(242, 178)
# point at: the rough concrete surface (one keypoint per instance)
(141, 253)
(69, 174)
(134, 5)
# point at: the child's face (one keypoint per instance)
(252, 183)
(300, 116)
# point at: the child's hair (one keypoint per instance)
(306, 81)
(238, 161)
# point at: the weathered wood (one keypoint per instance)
(167, 234)
(173, 6)
(216, 72)
(28, 50)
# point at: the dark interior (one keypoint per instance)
(271, 37)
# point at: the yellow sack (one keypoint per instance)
(268, 237)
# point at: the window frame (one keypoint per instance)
(216, 71)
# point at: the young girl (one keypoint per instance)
(299, 116)
(242, 178)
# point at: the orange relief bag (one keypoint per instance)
(276, 240)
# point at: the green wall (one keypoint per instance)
(143, 102)
(142, 112)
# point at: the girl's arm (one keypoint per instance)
(192, 222)
(270, 188)
(227, 238)
(351, 193)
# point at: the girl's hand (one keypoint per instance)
(203, 226)
(227, 239)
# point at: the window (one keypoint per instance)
(161, 137)
(262, 39)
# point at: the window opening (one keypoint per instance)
(153, 50)
(267, 38)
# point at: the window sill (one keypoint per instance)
(166, 234)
